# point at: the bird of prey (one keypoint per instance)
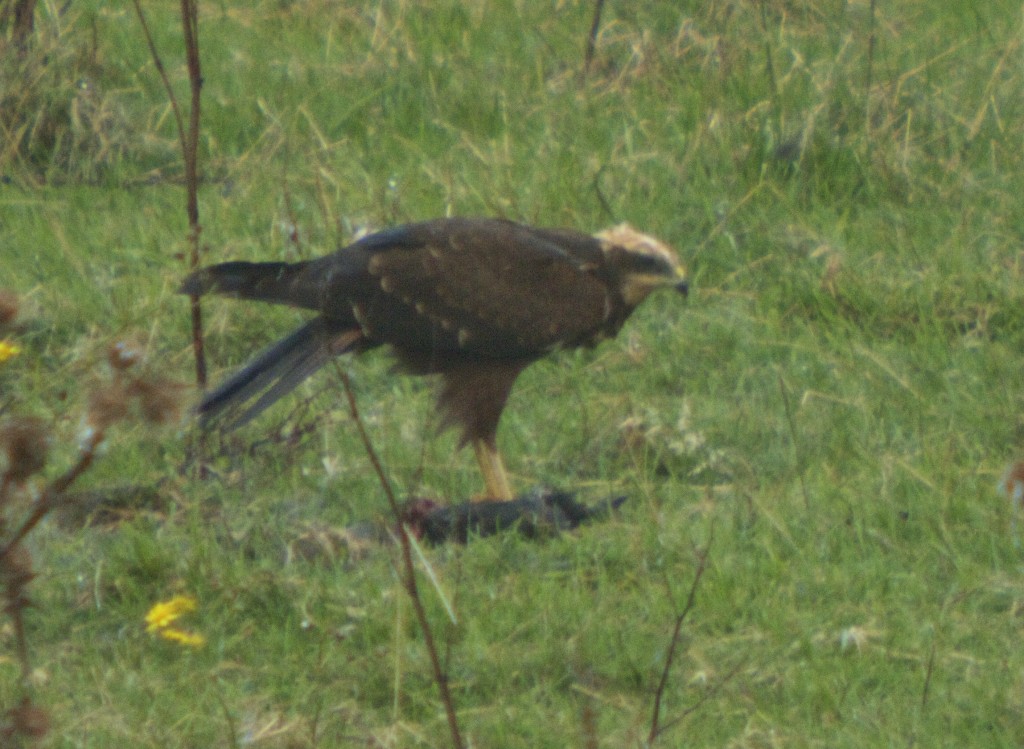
(473, 300)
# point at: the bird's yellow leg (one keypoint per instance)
(493, 470)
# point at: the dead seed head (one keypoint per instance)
(159, 399)
(25, 440)
(29, 720)
(8, 306)
(108, 404)
(123, 355)
(16, 572)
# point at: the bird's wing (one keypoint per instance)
(502, 289)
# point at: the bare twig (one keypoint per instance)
(159, 63)
(595, 26)
(409, 570)
(707, 695)
(925, 691)
(691, 599)
(16, 573)
(53, 493)
(190, 152)
(189, 141)
(23, 448)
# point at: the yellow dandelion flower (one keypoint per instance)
(161, 617)
(8, 350)
(182, 637)
(163, 614)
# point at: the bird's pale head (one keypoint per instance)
(643, 262)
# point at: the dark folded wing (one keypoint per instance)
(499, 289)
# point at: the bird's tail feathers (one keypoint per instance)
(266, 282)
(276, 371)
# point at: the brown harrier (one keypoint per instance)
(473, 300)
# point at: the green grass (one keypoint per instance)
(863, 586)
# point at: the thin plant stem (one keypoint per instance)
(189, 142)
(595, 27)
(190, 153)
(691, 600)
(409, 570)
(52, 493)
